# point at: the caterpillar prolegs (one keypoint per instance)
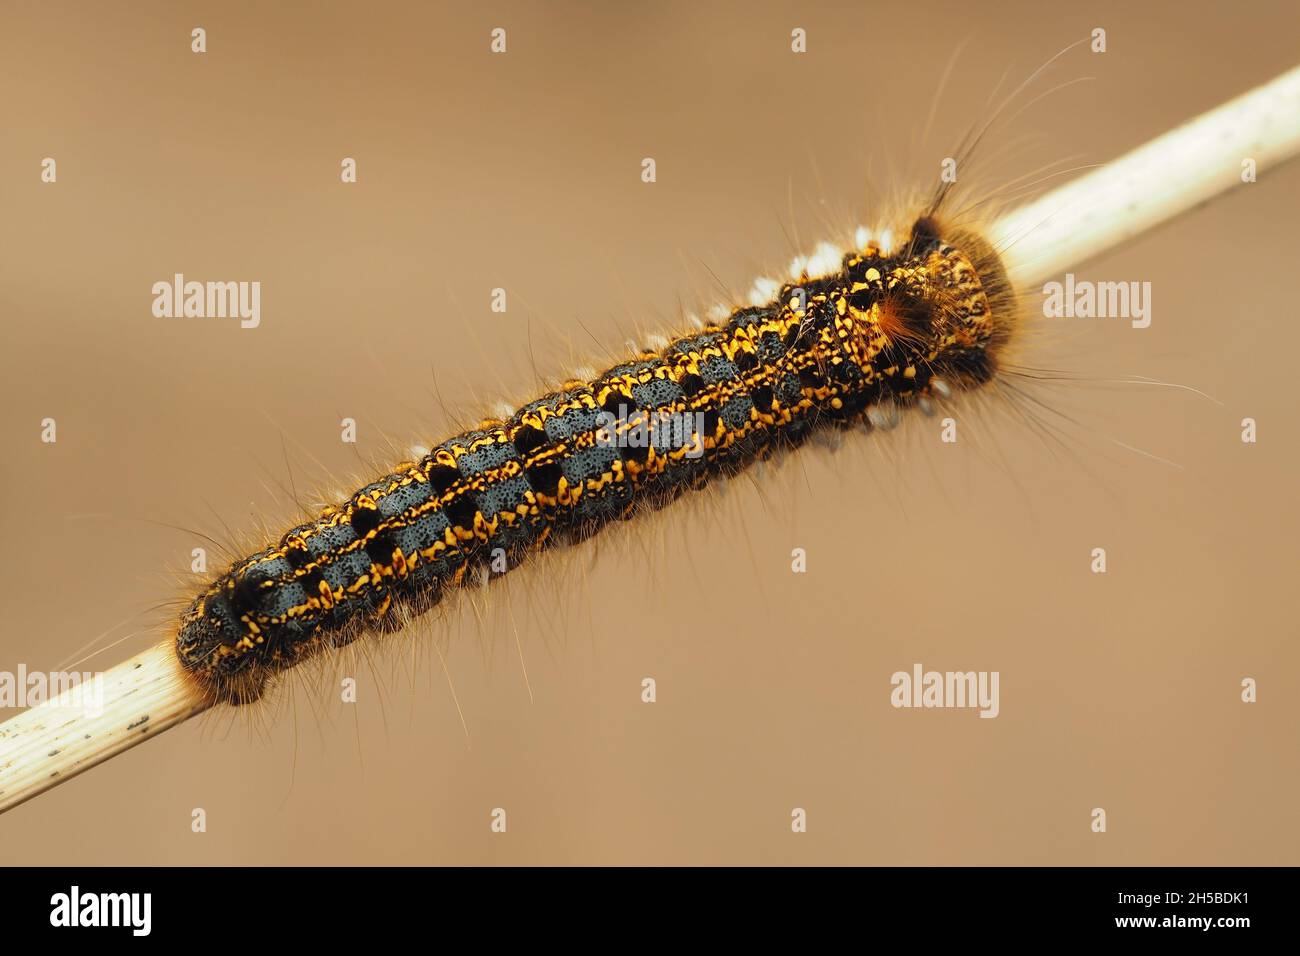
(852, 348)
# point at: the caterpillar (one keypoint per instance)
(851, 348)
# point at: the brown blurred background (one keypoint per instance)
(521, 170)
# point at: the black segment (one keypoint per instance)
(312, 581)
(442, 477)
(862, 300)
(247, 591)
(545, 478)
(365, 520)
(380, 548)
(810, 377)
(638, 452)
(619, 404)
(528, 439)
(461, 511)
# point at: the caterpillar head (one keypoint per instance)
(940, 308)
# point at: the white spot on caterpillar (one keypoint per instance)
(656, 342)
(830, 439)
(798, 267)
(764, 291)
(884, 417)
(694, 321)
(824, 260)
(417, 451)
(887, 241)
(862, 237)
(503, 411)
(718, 312)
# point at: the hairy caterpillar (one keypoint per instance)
(852, 347)
(239, 634)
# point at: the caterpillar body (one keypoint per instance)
(851, 348)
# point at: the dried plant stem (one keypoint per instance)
(58, 739)
(1152, 184)
(50, 743)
